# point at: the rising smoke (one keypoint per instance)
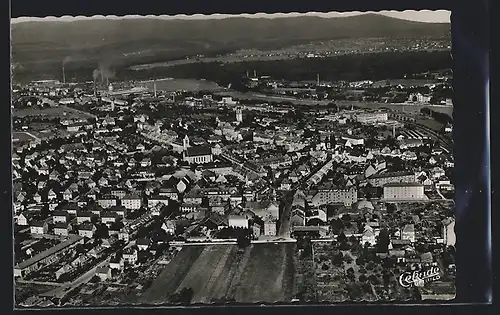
(67, 59)
(103, 72)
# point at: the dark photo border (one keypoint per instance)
(473, 164)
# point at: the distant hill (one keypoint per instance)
(38, 44)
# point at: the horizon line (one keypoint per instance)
(422, 16)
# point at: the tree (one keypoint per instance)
(101, 231)
(186, 295)
(367, 288)
(373, 279)
(362, 278)
(348, 259)
(360, 261)
(342, 238)
(337, 259)
(355, 291)
(243, 241)
(370, 265)
(337, 226)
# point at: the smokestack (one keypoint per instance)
(154, 86)
(64, 74)
(107, 81)
(254, 74)
(394, 131)
(248, 74)
(317, 79)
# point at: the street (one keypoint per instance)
(284, 228)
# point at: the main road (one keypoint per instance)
(286, 214)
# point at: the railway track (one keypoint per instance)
(445, 141)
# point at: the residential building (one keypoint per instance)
(153, 201)
(143, 243)
(169, 227)
(83, 217)
(238, 221)
(331, 196)
(404, 192)
(131, 202)
(379, 180)
(23, 219)
(408, 233)
(170, 193)
(270, 226)
(86, 229)
(130, 256)
(104, 273)
(62, 229)
(368, 236)
(107, 201)
(39, 228)
(46, 257)
(109, 217)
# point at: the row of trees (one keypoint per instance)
(439, 117)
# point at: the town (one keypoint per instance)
(117, 188)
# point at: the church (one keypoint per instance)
(196, 154)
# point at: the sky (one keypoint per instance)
(440, 16)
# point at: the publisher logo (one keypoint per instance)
(419, 277)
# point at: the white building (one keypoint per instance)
(198, 155)
(239, 114)
(379, 180)
(404, 191)
(130, 256)
(156, 200)
(238, 221)
(131, 202)
(371, 118)
(39, 228)
(330, 196)
(270, 226)
(87, 229)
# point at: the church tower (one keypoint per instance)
(185, 142)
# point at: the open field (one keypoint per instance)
(168, 281)
(53, 112)
(261, 273)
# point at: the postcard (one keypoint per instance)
(233, 159)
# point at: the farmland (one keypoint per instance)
(216, 273)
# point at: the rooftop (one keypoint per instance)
(403, 185)
(392, 174)
(73, 239)
(198, 151)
